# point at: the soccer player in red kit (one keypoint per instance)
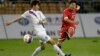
(68, 22)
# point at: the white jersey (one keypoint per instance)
(35, 16)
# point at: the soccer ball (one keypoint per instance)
(27, 38)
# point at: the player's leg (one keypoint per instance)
(61, 39)
(42, 45)
(70, 32)
(56, 48)
(40, 34)
(66, 34)
(44, 37)
(39, 49)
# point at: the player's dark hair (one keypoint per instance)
(72, 2)
(35, 2)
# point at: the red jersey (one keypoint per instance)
(71, 15)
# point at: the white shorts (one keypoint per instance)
(42, 35)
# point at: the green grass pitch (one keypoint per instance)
(75, 46)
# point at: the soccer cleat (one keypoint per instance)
(67, 54)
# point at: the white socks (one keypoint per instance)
(58, 50)
(37, 51)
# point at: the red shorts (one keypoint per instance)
(67, 31)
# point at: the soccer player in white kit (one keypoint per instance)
(38, 20)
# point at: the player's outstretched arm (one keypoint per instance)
(12, 21)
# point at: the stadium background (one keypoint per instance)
(88, 16)
(86, 43)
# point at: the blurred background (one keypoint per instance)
(47, 6)
(85, 42)
(88, 15)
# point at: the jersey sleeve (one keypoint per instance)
(25, 14)
(65, 14)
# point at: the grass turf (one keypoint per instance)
(76, 46)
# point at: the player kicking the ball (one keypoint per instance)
(38, 20)
(68, 22)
